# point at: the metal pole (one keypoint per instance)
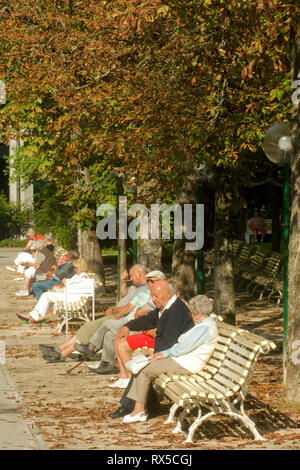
(200, 256)
(285, 242)
(119, 272)
(134, 251)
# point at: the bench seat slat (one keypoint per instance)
(235, 367)
(228, 383)
(248, 342)
(218, 386)
(234, 377)
(242, 351)
(239, 359)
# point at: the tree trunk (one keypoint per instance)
(89, 249)
(184, 261)
(149, 250)
(89, 245)
(292, 363)
(224, 298)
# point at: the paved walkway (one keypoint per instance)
(16, 433)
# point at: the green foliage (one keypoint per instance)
(14, 217)
(12, 242)
(51, 215)
(148, 87)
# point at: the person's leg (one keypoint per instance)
(87, 331)
(39, 287)
(142, 381)
(108, 344)
(28, 276)
(123, 354)
(68, 347)
(43, 305)
(124, 348)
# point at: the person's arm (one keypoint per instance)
(66, 271)
(140, 312)
(119, 312)
(124, 284)
(146, 322)
(198, 336)
(138, 301)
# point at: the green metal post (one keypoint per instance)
(134, 251)
(285, 242)
(119, 272)
(200, 255)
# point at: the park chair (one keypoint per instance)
(264, 280)
(68, 310)
(243, 257)
(256, 264)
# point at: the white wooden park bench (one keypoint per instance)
(67, 310)
(221, 387)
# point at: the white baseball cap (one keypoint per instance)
(157, 274)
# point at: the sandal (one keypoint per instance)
(23, 319)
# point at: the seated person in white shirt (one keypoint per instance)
(187, 356)
(38, 314)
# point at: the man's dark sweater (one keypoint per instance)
(173, 322)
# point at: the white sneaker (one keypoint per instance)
(22, 293)
(10, 269)
(121, 383)
(142, 417)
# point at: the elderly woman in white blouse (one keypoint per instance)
(188, 356)
(78, 281)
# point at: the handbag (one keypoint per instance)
(137, 363)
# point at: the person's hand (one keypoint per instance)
(124, 275)
(108, 311)
(122, 334)
(139, 313)
(156, 356)
(57, 288)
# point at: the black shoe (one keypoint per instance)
(105, 369)
(53, 359)
(46, 349)
(51, 355)
(119, 413)
(87, 349)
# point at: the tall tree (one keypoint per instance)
(292, 357)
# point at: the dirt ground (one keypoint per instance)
(71, 411)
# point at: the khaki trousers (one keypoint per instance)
(142, 381)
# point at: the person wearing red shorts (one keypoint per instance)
(124, 349)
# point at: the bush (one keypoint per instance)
(51, 215)
(15, 218)
(11, 242)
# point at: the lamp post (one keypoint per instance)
(200, 255)
(277, 147)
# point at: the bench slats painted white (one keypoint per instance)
(222, 385)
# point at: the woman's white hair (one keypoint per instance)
(201, 303)
(39, 245)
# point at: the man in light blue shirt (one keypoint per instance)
(104, 338)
